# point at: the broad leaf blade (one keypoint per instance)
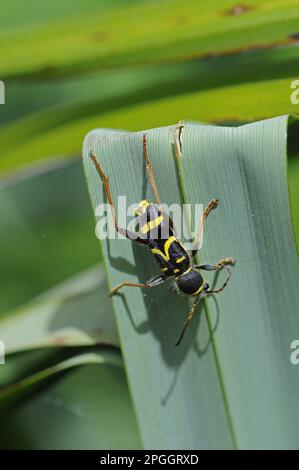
(246, 168)
(166, 381)
(195, 396)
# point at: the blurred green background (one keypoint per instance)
(69, 67)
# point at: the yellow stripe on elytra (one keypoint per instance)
(141, 207)
(199, 289)
(180, 259)
(144, 203)
(176, 270)
(151, 224)
(164, 255)
(164, 270)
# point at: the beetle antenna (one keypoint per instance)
(188, 320)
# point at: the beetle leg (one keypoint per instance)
(156, 281)
(212, 205)
(105, 179)
(150, 170)
(189, 318)
(154, 185)
(221, 264)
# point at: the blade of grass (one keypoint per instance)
(18, 19)
(173, 31)
(84, 95)
(75, 361)
(245, 102)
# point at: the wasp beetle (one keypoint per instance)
(173, 259)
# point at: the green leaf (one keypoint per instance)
(100, 92)
(235, 103)
(252, 85)
(86, 398)
(75, 361)
(18, 19)
(226, 385)
(44, 231)
(24, 363)
(293, 174)
(173, 31)
(75, 313)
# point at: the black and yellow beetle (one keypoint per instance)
(173, 259)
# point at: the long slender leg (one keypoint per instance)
(221, 264)
(150, 170)
(216, 291)
(106, 183)
(153, 183)
(212, 205)
(156, 281)
(188, 320)
(208, 267)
